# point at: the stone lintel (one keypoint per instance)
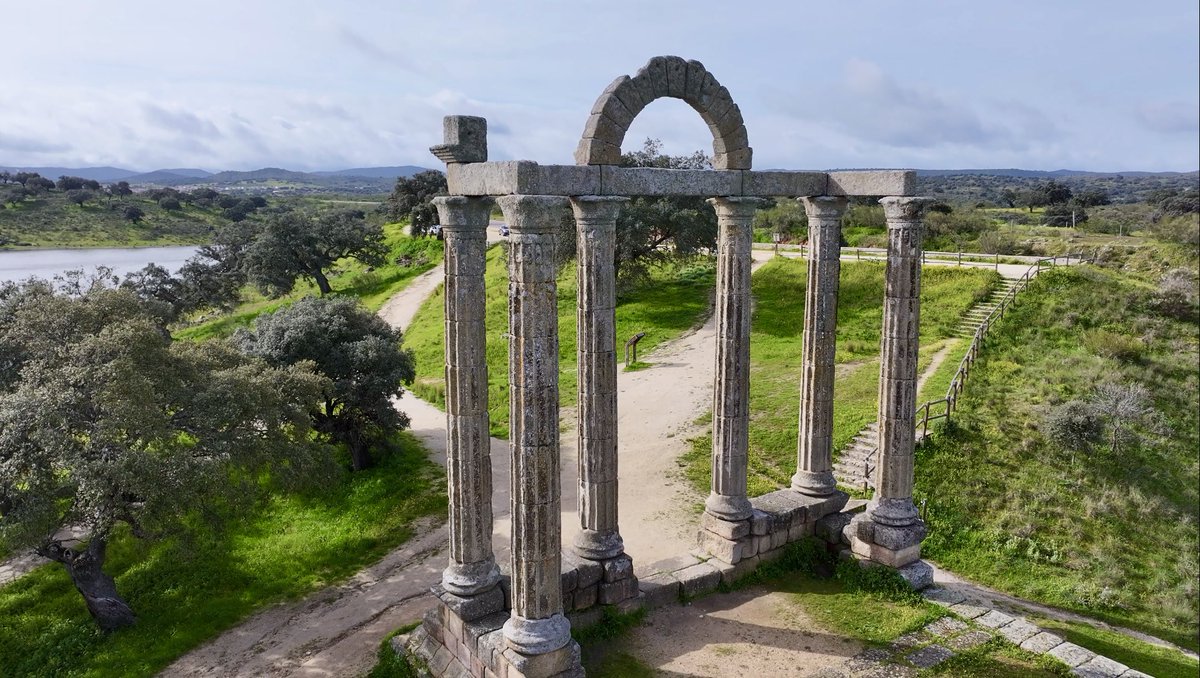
(525, 177)
(873, 183)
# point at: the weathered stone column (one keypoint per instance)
(814, 463)
(731, 391)
(472, 568)
(537, 625)
(596, 221)
(892, 504)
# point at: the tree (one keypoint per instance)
(169, 203)
(37, 185)
(120, 189)
(1127, 411)
(411, 199)
(24, 177)
(1056, 192)
(198, 285)
(5, 177)
(1092, 198)
(133, 213)
(105, 421)
(80, 196)
(651, 229)
(12, 195)
(295, 244)
(359, 354)
(66, 183)
(1062, 214)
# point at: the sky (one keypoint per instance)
(307, 85)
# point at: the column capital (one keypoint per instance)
(533, 213)
(736, 207)
(904, 208)
(458, 212)
(598, 207)
(824, 206)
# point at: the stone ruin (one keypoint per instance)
(517, 625)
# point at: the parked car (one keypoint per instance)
(504, 230)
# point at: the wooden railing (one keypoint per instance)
(943, 408)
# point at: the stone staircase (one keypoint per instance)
(975, 315)
(855, 466)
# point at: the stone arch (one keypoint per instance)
(665, 76)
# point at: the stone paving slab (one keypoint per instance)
(968, 611)
(969, 640)
(946, 626)
(909, 640)
(943, 597)
(1042, 642)
(1071, 654)
(1101, 667)
(994, 619)
(1019, 631)
(930, 656)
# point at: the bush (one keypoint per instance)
(1074, 426)
(1183, 229)
(1112, 345)
(1177, 296)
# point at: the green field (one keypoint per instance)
(50, 220)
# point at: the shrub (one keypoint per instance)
(1074, 426)
(1177, 296)
(1112, 345)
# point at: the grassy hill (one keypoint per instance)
(50, 220)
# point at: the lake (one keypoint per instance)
(21, 265)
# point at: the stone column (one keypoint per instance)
(731, 390)
(537, 625)
(472, 568)
(596, 220)
(892, 504)
(814, 467)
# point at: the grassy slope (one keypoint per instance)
(775, 356)
(186, 591)
(1114, 537)
(675, 300)
(351, 278)
(52, 221)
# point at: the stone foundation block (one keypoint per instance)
(760, 523)
(831, 526)
(542, 665)
(660, 589)
(885, 556)
(698, 579)
(587, 572)
(570, 578)
(489, 647)
(719, 547)
(898, 538)
(762, 544)
(798, 532)
(781, 505)
(585, 597)
(586, 618)
(470, 608)
(617, 568)
(475, 630)
(632, 604)
(880, 183)
(431, 623)
(441, 659)
(613, 592)
(726, 529)
(1019, 631)
(1041, 642)
(735, 572)
(1071, 654)
(918, 574)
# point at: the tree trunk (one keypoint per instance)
(360, 456)
(322, 281)
(99, 591)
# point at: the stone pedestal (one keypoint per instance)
(731, 390)
(537, 625)
(814, 455)
(596, 225)
(472, 569)
(890, 531)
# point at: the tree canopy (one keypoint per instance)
(295, 244)
(105, 421)
(359, 354)
(411, 199)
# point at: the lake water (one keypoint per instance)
(21, 265)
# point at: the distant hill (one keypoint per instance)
(94, 173)
(187, 172)
(376, 172)
(161, 178)
(1041, 174)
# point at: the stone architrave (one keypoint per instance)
(814, 455)
(472, 568)
(731, 390)
(537, 624)
(596, 221)
(892, 504)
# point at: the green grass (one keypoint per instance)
(187, 590)
(675, 299)
(1111, 536)
(775, 357)
(390, 664)
(407, 258)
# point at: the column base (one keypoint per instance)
(470, 579)
(893, 512)
(728, 507)
(884, 544)
(814, 483)
(596, 545)
(537, 636)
